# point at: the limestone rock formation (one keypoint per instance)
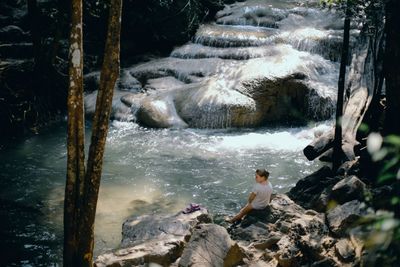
(211, 245)
(250, 68)
(153, 239)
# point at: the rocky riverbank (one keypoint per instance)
(320, 222)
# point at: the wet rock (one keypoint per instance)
(345, 250)
(120, 110)
(349, 188)
(216, 93)
(238, 53)
(211, 245)
(126, 82)
(225, 36)
(252, 13)
(342, 216)
(212, 104)
(164, 83)
(160, 113)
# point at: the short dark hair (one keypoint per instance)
(263, 173)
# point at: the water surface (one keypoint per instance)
(145, 171)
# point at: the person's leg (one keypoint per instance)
(246, 209)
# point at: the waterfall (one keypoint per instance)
(259, 62)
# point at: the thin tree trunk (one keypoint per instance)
(75, 142)
(108, 78)
(392, 68)
(337, 147)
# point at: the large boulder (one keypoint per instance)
(209, 246)
(347, 189)
(160, 113)
(343, 216)
(312, 191)
(153, 239)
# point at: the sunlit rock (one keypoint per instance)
(246, 70)
(345, 250)
(210, 245)
(153, 239)
(160, 113)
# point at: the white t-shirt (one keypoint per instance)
(263, 195)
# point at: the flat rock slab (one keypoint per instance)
(163, 253)
(156, 227)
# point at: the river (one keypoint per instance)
(145, 171)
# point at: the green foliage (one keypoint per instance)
(389, 155)
(366, 12)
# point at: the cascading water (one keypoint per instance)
(237, 72)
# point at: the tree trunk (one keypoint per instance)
(337, 145)
(75, 141)
(392, 68)
(108, 78)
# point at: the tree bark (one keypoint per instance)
(75, 141)
(320, 145)
(337, 145)
(392, 67)
(108, 78)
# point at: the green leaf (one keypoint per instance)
(395, 200)
(363, 128)
(386, 177)
(390, 164)
(393, 139)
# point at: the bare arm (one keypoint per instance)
(251, 197)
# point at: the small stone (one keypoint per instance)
(345, 250)
(328, 242)
(268, 243)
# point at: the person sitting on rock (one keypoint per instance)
(259, 198)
